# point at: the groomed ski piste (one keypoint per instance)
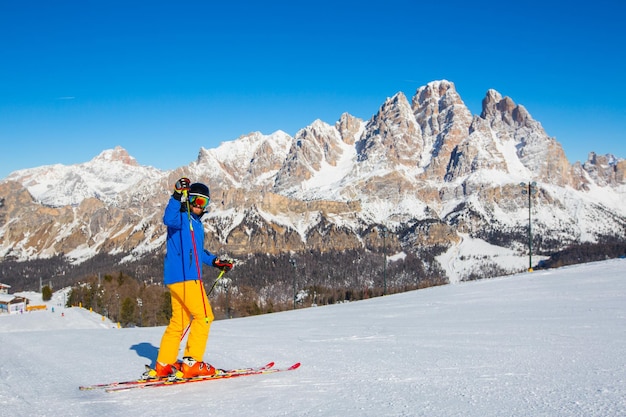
(546, 343)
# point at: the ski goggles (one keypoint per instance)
(199, 201)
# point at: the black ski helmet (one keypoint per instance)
(199, 189)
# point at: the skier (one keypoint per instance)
(183, 276)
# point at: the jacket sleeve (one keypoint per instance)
(171, 216)
(208, 257)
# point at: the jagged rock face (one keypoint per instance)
(478, 151)
(444, 121)
(620, 172)
(605, 170)
(250, 162)
(349, 127)
(426, 169)
(392, 137)
(540, 154)
(313, 146)
(81, 231)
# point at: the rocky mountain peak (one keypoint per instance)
(444, 121)
(496, 107)
(605, 170)
(250, 162)
(350, 128)
(392, 136)
(313, 147)
(117, 154)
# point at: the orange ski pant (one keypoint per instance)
(189, 304)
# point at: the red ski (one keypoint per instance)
(140, 382)
(226, 375)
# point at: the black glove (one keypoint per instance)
(181, 186)
(224, 265)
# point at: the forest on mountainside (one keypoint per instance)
(260, 284)
(132, 293)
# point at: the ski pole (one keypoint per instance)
(195, 253)
(222, 272)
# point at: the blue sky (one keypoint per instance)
(164, 78)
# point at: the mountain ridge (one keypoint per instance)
(425, 169)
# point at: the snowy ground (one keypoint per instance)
(547, 343)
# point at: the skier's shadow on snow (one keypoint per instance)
(146, 350)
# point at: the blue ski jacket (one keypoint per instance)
(180, 259)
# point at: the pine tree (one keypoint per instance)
(46, 293)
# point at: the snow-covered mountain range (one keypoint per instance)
(423, 173)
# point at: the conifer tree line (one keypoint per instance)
(131, 293)
(123, 299)
(257, 285)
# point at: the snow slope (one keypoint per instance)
(547, 343)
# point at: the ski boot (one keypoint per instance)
(161, 371)
(191, 368)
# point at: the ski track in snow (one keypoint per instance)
(547, 343)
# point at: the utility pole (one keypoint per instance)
(530, 189)
(140, 304)
(293, 263)
(384, 231)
